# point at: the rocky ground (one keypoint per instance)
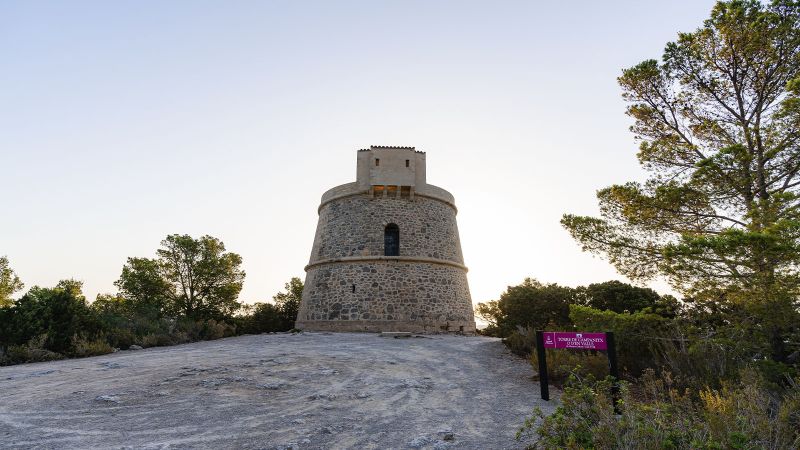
(278, 391)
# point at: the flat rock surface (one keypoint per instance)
(276, 391)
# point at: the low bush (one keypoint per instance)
(655, 415)
(180, 337)
(52, 323)
(32, 351)
(521, 342)
(212, 329)
(563, 363)
(637, 335)
(263, 318)
(203, 330)
(82, 347)
(156, 340)
(120, 338)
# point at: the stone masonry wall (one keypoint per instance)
(351, 286)
(354, 226)
(389, 296)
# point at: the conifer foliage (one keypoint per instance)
(718, 122)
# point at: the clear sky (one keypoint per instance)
(122, 122)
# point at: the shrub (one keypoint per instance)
(203, 330)
(59, 313)
(535, 305)
(49, 323)
(561, 363)
(156, 340)
(82, 347)
(530, 305)
(521, 342)
(179, 337)
(211, 330)
(636, 334)
(697, 360)
(121, 338)
(265, 317)
(654, 415)
(32, 351)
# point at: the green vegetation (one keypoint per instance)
(719, 217)
(534, 306)
(9, 282)
(718, 122)
(530, 305)
(277, 316)
(194, 278)
(656, 415)
(718, 126)
(188, 293)
(690, 381)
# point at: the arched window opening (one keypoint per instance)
(391, 240)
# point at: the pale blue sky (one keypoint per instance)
(122, 122)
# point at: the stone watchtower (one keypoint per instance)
(386, 255)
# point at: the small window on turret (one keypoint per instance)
(377, 162)
(406, 163)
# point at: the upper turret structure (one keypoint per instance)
(391, 166)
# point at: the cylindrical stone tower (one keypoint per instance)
(386, 255)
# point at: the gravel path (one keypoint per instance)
(278, 391)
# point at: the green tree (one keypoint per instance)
(288, 302)
(719, 127)
(9, 283)
(195, 278)
(60, 313)
(261, 318)
(490, 313)
(143, 285)
(622, 297)
(280, 315)
(531, 305)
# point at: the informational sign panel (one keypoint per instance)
(575, 340)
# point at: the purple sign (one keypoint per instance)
(577, 340)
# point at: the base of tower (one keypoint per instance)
(377, 326)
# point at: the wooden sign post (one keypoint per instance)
(577, 340)
(543, 385)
